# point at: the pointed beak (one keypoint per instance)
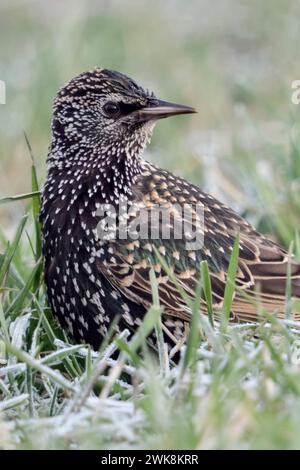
(163, 109)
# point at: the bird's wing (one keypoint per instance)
(262, 266)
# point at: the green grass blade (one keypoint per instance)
(36, 208)
(19, 197)
(26, 292)
(162, 349)
(193, 340)
(230, 285)
(288, 287)
(206, 286)
(11, 249)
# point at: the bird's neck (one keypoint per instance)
(101, 173)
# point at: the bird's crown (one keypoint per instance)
(98, 86)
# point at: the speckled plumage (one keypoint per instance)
(102, 122)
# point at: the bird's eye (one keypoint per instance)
(111, 109)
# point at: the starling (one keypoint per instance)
(99, 256)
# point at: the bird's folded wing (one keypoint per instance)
(263, 266)
(262, 279)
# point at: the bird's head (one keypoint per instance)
(109, 112)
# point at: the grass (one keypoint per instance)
(235, 386)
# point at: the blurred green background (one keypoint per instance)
(234, 60)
